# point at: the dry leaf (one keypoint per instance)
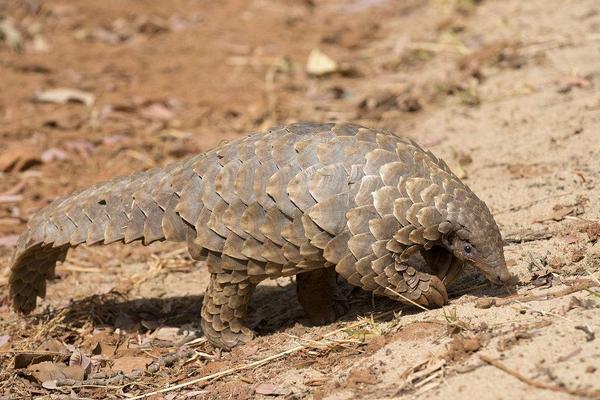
(559, 212)
(79, 359)
(64, 96)
(48, 373)
(45, 371)
(130, 363)
(167, 334)
(75, 372)
(268, 389)
(320, 64)
(50, 385)
(53, 345)
(50, 350)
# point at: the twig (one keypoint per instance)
(577, 287)
(593, 277)
(107, 383)
(517, 238)
(540, 385)
(530, 203)
(170, 359)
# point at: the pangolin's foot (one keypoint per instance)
(411, 286)
(224, 310)
(319, 296)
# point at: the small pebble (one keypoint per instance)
(485, 302)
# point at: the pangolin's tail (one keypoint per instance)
(138, 207)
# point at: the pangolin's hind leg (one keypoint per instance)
(226, 302)
(319, 295)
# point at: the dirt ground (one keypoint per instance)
(503, 90)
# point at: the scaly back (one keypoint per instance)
(276, 203)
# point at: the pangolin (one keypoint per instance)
(306, 199)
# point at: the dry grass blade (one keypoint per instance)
(407, 299)
(221, 373)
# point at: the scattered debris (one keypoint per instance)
(53, 154)
(49, 371)
(10, 198)
(19, 158)
(4, 340)
(589, 334)
(160, 110)
(567, 83)
(320, 64)
(463, 160)
(536, 384)
(485, 302)
(421, 374)
(560, 212)
(592, 230)
(502, 54)
(527, 235)
(361, 376)
(64, 96)
(10, 34)
(50, 350)
(268, 389)
(9, 241)
(129, 364)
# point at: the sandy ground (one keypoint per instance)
(503, 90)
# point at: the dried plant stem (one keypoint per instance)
(577, 287)
(594, 394)
(407, 299)
(255, 364)
(528, 204)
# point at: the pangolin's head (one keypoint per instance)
(474, 237)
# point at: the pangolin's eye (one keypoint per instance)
(468, 249)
